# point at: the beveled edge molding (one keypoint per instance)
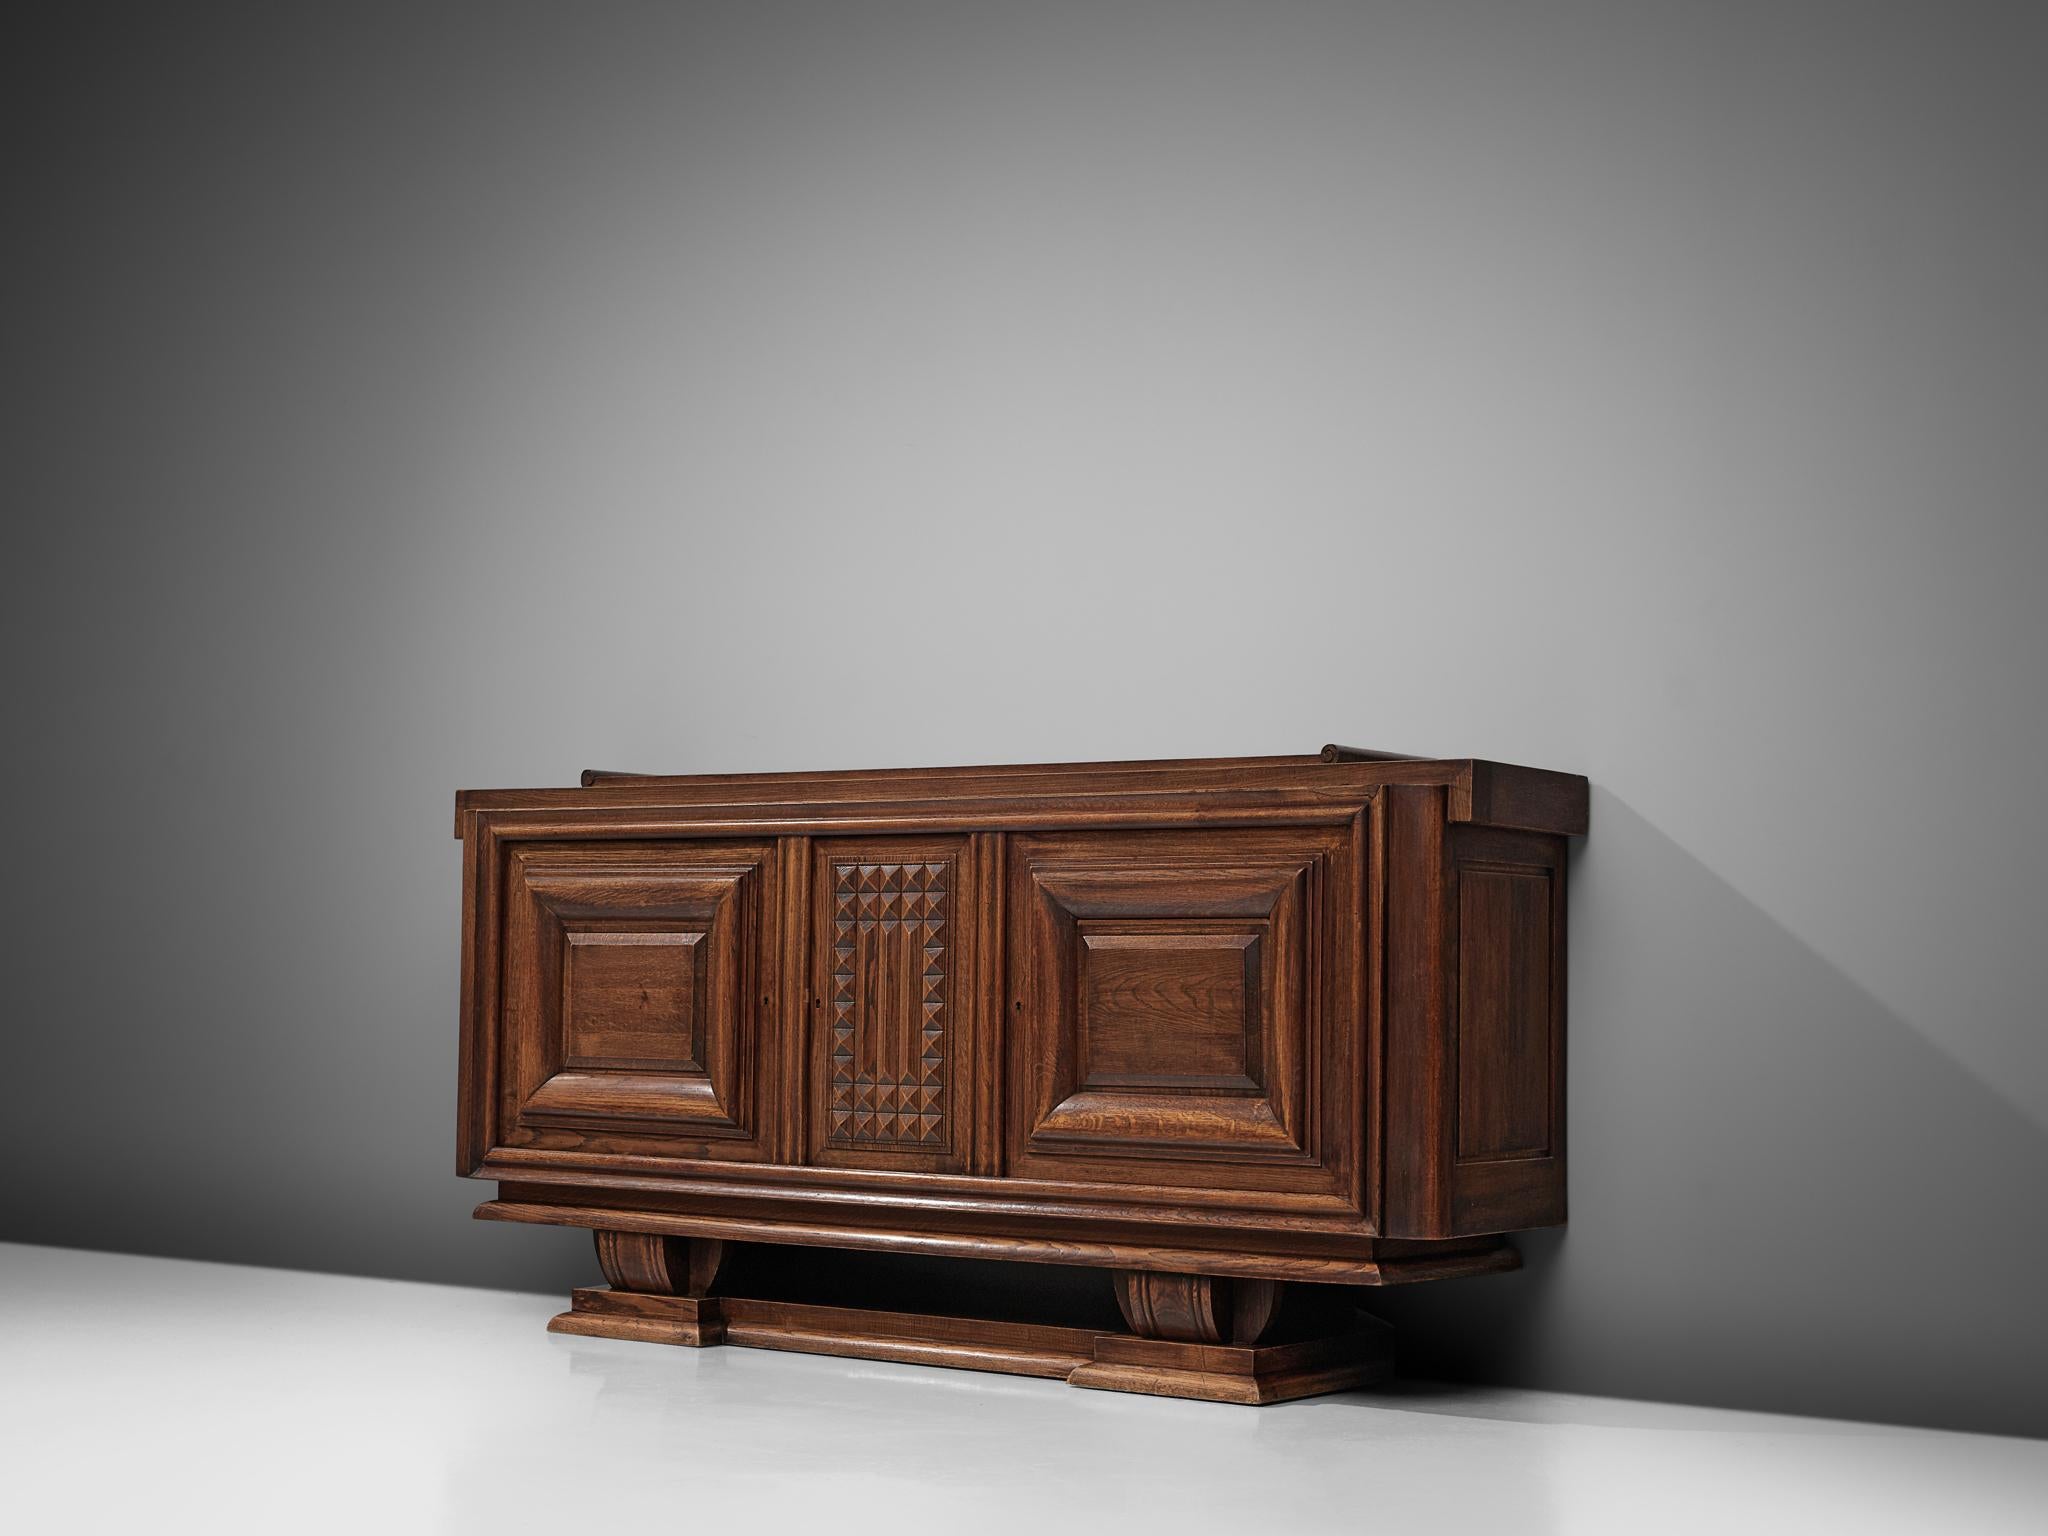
(941, 1196)
(1386, 1264)
(1481, 791)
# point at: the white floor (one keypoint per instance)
(150, 1395)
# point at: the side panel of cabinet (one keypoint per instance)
(897, 991)
(1186, 1008)
(1507, 1038)
(634, 998)
(1475, 1027)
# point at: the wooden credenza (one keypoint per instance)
(1212, 1026)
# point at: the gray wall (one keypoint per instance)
(407, 398)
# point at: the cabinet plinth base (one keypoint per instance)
(1356, 1353)
(1239, 1373)
(608, 1314)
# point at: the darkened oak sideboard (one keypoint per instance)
(1212, 1026)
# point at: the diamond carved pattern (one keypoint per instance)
(891, 956)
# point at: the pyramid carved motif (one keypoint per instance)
(891, 963)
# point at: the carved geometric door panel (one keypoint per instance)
(1183, 1009)
(893, 986)
(633, 1006)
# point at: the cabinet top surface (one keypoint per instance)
(1479, 790)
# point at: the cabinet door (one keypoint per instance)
(633, 1004)
(895, 989)
(1185, 1008)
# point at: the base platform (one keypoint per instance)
(1084, 1357)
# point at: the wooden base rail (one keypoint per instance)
(1194, 1336)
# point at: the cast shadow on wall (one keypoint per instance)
(1783, 1195)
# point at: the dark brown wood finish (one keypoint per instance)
(662, 1266)
(1213, 1025)
(660, 1291)
(896, 995)
(1196, 1309)
(1182, 1009)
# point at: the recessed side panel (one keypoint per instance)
(1182, 1010)
(1507, 1030)
(1503, 1012)
(893, 986)
(632, 1009)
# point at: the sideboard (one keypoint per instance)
(1217, 1027)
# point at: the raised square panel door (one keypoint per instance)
(634, 1005)
(895, 983)
(1184, 1008)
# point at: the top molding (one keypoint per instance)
(1478, 791)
